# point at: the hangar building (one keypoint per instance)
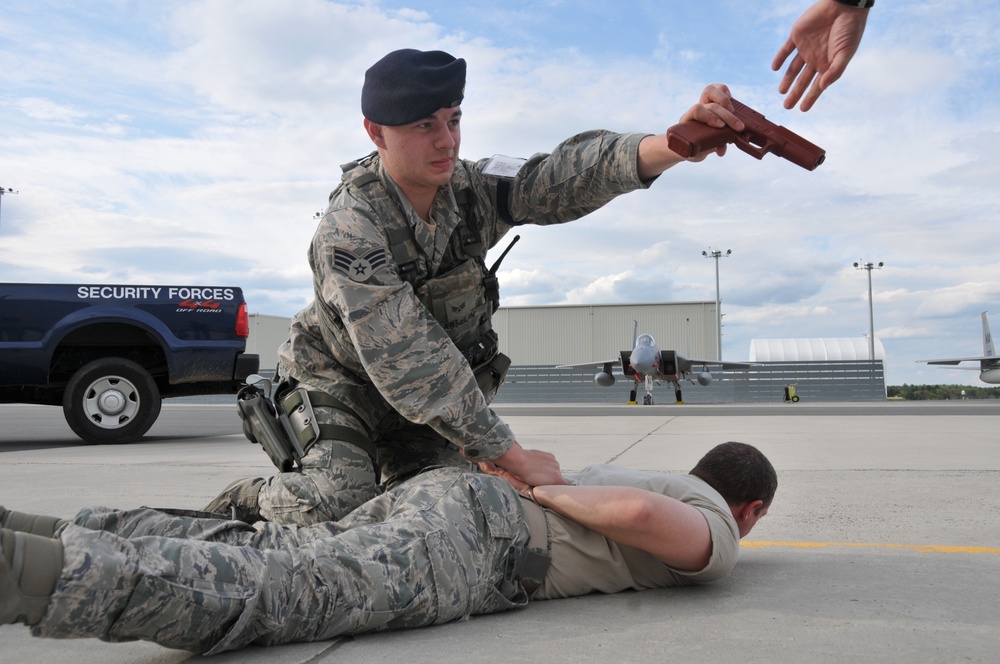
(573, 333)
(809, 350)
(539, 338)
(558, 334)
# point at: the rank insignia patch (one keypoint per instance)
(358, 268)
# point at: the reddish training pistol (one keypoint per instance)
(759, 136)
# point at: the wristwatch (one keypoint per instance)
(860, 4)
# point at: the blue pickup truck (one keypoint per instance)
(109, 354)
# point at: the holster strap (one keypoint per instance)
(349, 435)
(338, 431)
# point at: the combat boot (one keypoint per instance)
(36, 524)
(30, 565)
(238, 501)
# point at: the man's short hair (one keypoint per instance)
(740, 472)
(409, 85)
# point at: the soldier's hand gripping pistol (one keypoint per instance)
(758, 137)
(282, 422)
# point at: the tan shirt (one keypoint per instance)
(584, 561)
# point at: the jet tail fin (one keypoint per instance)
(988, 350)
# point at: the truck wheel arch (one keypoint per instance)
(83, 343)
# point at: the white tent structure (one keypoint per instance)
(813, 350)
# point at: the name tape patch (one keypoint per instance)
(502, 166)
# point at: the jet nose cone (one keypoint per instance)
(643, 360)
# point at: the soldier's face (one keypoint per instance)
(421, 154)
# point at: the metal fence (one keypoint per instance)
(764, 382)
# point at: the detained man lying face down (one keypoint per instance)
(442, 546)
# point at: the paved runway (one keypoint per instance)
(883, 543)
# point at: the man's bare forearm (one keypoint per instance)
(655, 156)
(666, 528)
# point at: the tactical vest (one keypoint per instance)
(462, 294)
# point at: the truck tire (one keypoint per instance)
(111, 400)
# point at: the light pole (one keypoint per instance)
(868, 267)
(4, 191)
(718, 302)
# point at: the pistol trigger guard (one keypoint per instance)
(744, 143)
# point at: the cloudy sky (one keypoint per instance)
(179, 142)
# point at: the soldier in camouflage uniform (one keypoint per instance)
(397, 350)
(439, 547)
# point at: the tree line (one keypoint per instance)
(931, 392)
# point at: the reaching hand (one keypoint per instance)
(826, 36)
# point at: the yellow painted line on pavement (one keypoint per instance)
(920, 548)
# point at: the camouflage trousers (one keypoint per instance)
(337, 477)
(435, 549)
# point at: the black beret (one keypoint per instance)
(409, 85)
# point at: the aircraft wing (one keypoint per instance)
(584, 365)
(689, 362)
(956, 360)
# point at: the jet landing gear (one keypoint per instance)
(647, 396)
(647, 399)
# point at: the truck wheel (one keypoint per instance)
(111, 400)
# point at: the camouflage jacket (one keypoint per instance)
(366, 338)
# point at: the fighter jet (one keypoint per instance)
(989, 363)
(647, 365)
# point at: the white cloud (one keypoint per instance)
(892, 73)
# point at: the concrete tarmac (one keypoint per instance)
(883, 543)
